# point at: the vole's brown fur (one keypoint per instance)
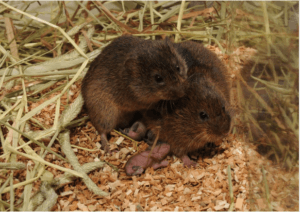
(198, 118)
(201, 60)
(129, 75)
(208, 92)
(203, 114)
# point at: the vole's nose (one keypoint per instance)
(226, 124)
(176, 93)
(223, 124)
(183, 77)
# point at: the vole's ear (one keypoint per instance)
(131, 63)
(132, 67)
(167, 40)
(170, 45)
(195, 78)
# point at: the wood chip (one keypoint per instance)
(92, 207)
(187, 191)
(239, 204)
(120, 140)
(129, 192)
(82, 207)
(164, 202)
(261, 203)
(196, 198)
(169, 194)
(132, 207)
(136, 192)
(66, 193)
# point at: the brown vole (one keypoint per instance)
(129, 75)
(201, 116)
(196, 119)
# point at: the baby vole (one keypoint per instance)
(138, 163)
(131, 74)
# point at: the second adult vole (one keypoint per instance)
(202, 116)
(129, 75)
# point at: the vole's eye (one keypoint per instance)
(203, 116)
(223, 108)
(177, 68)
(158, 79)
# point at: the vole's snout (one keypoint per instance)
(225, 127)
(180, 93)
(176, 93)
(223, 123)
(183, 75)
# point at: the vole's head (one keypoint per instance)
(202, 60)
(201, 116)
(157, 71)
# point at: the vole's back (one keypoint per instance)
(129, 75)
(129, 69)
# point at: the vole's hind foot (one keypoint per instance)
(104, 143)
(188, 162)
